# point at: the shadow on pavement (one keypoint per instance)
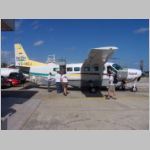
(89, 93)
(10, 98)
(31, 85)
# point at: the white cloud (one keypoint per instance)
(18, 24)
(35, 25)
(38, 43)
(141, 30)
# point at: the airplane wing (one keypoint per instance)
(100, 55)
(93, 66)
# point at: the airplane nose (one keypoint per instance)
(134, 74)
(139, 73)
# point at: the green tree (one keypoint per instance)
(3, 65)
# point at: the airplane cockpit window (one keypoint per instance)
(117, 67)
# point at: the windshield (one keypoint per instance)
(117, 67)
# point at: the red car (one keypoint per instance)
(5, 82)
(14, 82)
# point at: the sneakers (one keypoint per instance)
(108, 98)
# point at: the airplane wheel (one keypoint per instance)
(92, 90)
(134, 89)
(123, 88)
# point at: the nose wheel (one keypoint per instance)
(134, 89)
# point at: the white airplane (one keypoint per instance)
(92, 73)
(80, 75)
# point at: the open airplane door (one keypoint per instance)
(93, 66)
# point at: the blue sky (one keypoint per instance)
(73, 38)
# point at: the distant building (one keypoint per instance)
(53, 59)
(7, 24)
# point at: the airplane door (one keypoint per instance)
(63, 68)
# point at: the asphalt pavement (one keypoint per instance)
(30, 107)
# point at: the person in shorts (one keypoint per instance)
(111, 87)
(65, 84)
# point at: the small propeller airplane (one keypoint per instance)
(93, 71)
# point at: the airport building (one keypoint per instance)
(7, 24)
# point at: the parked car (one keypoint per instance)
(14, 82)
(17, 76)
(5, 82)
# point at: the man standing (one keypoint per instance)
(58, 82)
(65, 84)
(111, 87)
(49, 81)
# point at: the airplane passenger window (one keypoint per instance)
(96, 68)
(86, 68)
(69, 69)
(117, 67)
(76, 68)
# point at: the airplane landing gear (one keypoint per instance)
(92, 90)
(134, 88)
(122, 86)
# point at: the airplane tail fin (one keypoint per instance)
(20, 55)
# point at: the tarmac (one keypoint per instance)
(34, 108)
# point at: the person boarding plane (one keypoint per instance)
(91, 73)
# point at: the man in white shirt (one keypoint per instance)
(65, 84)
(58, 82)
(111, 87)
